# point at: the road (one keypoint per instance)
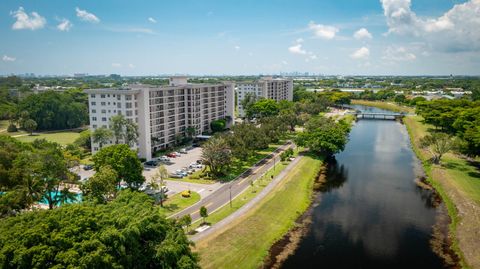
(219, 226)
(227, 191)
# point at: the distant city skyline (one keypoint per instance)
(214, 37)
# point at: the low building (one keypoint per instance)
(162, 113)
(267, 87)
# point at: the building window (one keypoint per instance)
(94, 126)
(129, 113)
(104, 111)
(104, 119)
(92, 95)
(128, 97)
(102, 103)
(128, 105)
(102, 95)
(94, 111)
(94, 118)
(93, 103)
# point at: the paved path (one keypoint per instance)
(222, 195)
(247, 207)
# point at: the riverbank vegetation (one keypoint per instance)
(456, 178)
(245, 242)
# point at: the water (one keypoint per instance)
(372, 215)
(78, 198)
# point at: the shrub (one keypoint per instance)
(186, 193)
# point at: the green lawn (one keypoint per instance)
(176, 203)
(245, 243)
(62, 138)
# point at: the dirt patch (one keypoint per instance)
(441, 242)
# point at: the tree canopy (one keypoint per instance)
(125, 233)
(124, 161)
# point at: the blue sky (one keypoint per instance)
(368, 37)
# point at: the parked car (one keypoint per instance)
(199, 162)
(164, 159)
(178, 154)
(175, 175)
(183, 151)
(181, 172)
(87, 167)
(171, 155)
(151, 163)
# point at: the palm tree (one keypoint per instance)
(66, 196)
(158, 180)
(101, 136)
(32, 190)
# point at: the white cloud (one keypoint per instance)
(24, 21)
(362, 33)
(131, 66)
(64, 25)
(297, 49)
(393, 53)
(116, 65)
(361, 53)
(237, 47)
(86, 16)
(323, 31)
(7, 58)
(455, 30)
(299, 40)
(152, 20)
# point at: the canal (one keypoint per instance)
(373, 214)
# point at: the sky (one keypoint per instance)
(240, 37)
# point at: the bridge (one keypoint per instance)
(378, 116)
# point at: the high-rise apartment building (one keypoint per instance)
(162, 112)
(267, 87)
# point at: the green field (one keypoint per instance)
(3, 125)
(246, 242)
(176, 203)
(62, 138)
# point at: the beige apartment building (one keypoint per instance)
(162, 112)
(267, 87)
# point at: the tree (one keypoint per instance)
(247, 102)
(102, 136)
(66, 196)
(438, 144)
(216, 155)
(157, 182)
(186, 221)
(84, 140)
(324, 136)
(128, 232)
(203, 213)
(30, 126)
(102, 186)
(190, 132)
(124, 161)
(123, 130)
(264, 108)
(218, 125)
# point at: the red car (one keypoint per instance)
(171, 155)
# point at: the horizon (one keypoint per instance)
(216, 38)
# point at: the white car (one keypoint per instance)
(164, 159)
(184, 151)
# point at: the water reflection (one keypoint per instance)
(371, 214)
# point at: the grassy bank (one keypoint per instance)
(458, 182)
(384, 105)
(245, 242)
